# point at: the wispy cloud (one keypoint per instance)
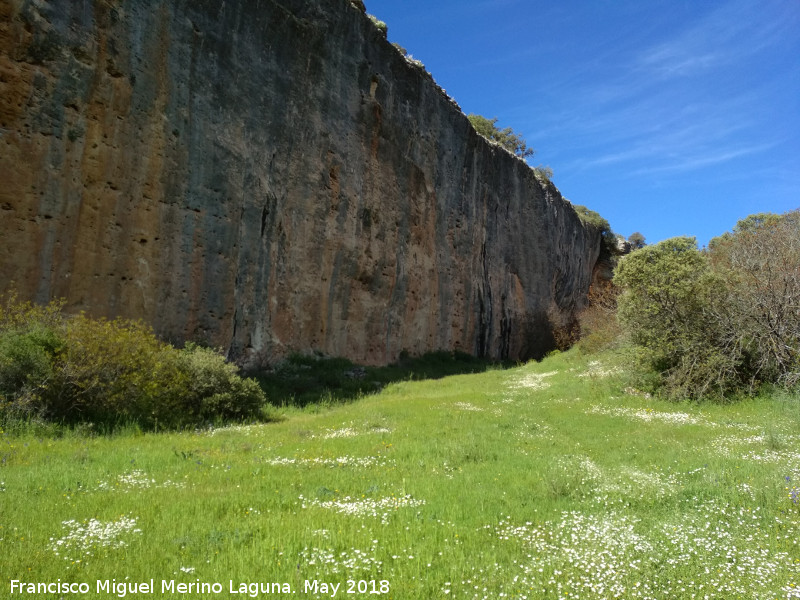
(692, 161)
(727, 35)
(677, 104)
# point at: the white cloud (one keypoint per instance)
(731, 33)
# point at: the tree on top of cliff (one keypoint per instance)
(637, 241)
(507, 138)
(590, 217)
(609, 239)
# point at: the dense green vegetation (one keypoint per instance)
(591, 217)
(73, 369)
(609, 239)
(721, 321)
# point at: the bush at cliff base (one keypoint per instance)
(215, 387)
(71, 370)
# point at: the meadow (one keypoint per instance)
(552, 479)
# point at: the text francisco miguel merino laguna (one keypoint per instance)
(170, 586)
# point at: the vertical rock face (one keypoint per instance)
(268, 176)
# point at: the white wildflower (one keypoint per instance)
(84, 539)
(365, 507)
(533, 381)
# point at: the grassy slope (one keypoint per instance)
(531, 482)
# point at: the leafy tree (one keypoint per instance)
(720, 321)
(507, 138)
(636, 240)
(760, 263)
(757, 222)
(669, 294)
(591, 217)
(609, 239)
(544, 171)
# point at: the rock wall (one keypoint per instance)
(268, 176)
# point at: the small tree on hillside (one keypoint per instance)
(507, 138)
(636, 240)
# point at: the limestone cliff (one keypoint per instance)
(268, 176)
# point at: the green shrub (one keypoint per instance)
(115, 372)
(672, 308)
(608, 239)
(31, 336)
(592, 218)
(636, 241)
(26, 366)
(722, 321)
(380, 25)
(80, 370)
(544, 172)
(507, 138)
(215, 387)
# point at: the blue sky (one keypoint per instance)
(675, 117)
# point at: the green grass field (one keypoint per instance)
(548, 480)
